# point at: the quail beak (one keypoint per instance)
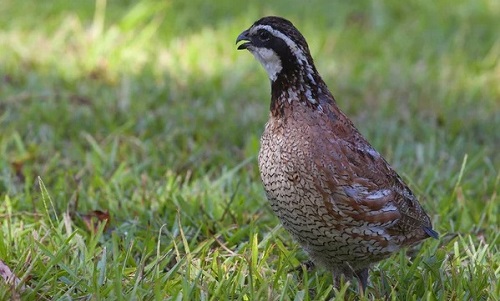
(243, 37)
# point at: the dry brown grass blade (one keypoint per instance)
(10, 278)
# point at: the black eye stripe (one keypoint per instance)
(264, 35)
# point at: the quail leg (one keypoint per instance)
(362, 276)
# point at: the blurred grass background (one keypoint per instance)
(145, 109)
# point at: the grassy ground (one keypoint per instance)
(146, 112)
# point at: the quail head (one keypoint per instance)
(334, 193)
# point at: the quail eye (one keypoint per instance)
(264, 35)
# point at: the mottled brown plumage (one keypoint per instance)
(332, 191)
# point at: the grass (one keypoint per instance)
(146, 111)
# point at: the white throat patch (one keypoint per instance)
(269, 59)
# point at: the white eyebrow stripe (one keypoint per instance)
(299, 53)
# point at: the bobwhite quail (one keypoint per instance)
(330, 188)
